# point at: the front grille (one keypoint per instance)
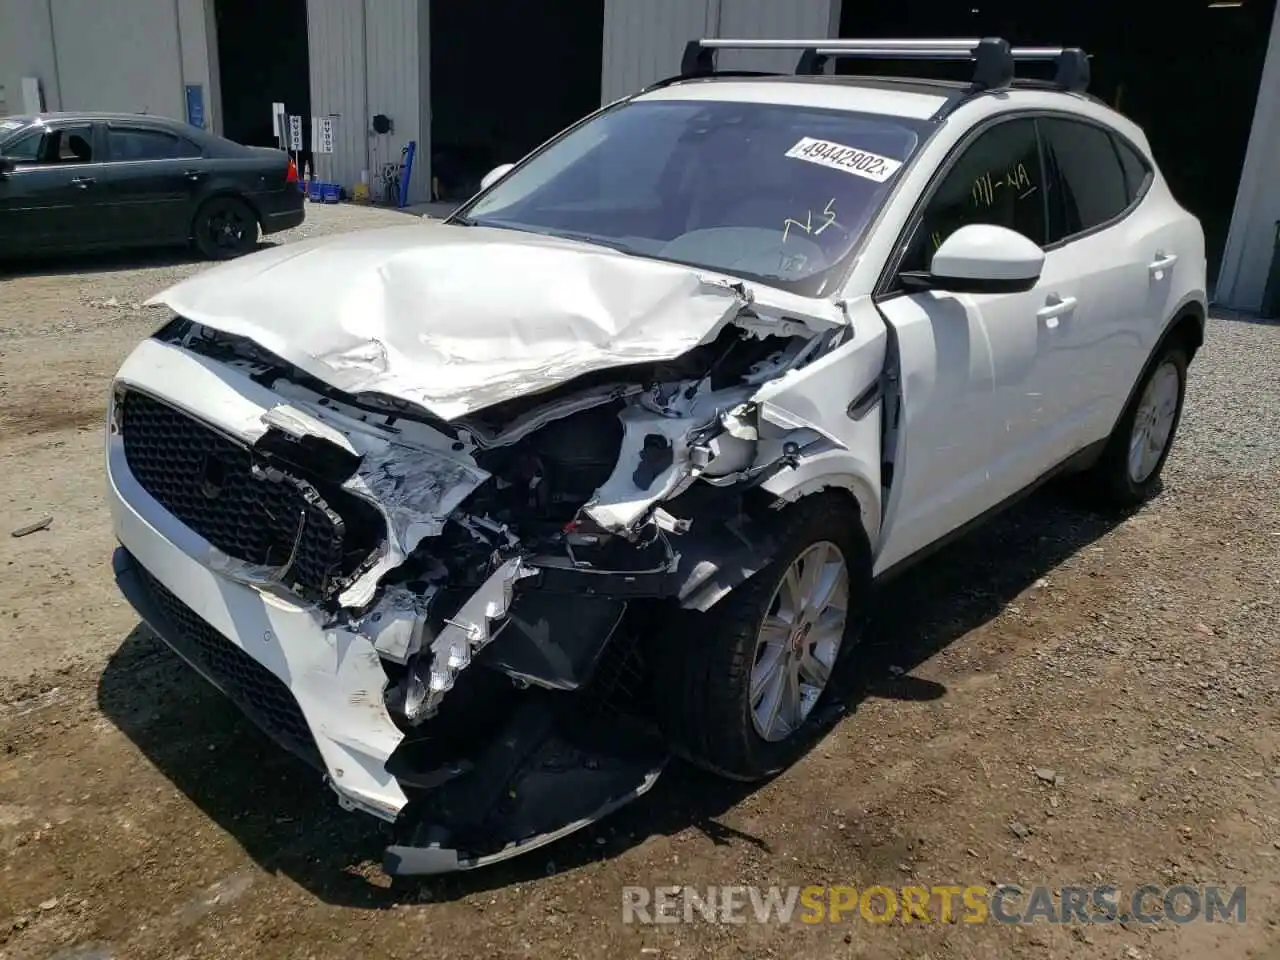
(259, 693)
(208, 481)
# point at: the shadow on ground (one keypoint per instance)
(80, 264)
(250, 788)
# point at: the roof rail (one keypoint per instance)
(677, 78)
(993, 58)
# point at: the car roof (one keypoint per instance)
(98, 115)
(909, 97)
(202, 138)
(917, 99)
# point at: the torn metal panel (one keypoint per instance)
(654, 462)
(299, 423)
(417, 312)
(415, 491)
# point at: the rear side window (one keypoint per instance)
(137, 144)
(1088, 184)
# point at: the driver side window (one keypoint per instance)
(997, 180)
(57, 146)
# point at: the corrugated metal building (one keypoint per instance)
(369, 57)
(366, 57)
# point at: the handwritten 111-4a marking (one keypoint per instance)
(983, 191)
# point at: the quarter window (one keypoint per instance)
(1088, 187)
(997, 180)
(1136, 170)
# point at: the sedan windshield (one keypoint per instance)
(777, 193)
(9, 127)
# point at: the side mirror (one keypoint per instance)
(7, 165)
(981, 258)
(496, 174)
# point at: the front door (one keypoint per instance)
(47, 201)
(976, 420)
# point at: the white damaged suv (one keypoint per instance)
(487, 518)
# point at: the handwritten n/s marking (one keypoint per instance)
(828, 211)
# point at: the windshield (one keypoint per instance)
(9, 126)
(772, 192)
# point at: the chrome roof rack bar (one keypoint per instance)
(993, 58)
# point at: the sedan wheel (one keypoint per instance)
(799, 641)
(225, 227)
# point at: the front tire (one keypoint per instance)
(737, 686)
(1128, 472)
(225, 228)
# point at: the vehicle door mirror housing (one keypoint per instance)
(496, 174)
(7, 165)
(981, 258)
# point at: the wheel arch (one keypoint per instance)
(1185, 328)
(218, 193)
(1186, 325)
(713, 564)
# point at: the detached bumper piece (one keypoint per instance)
(501, 770)
(554, 768)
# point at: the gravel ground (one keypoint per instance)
(1059, 698)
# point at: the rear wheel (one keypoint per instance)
(225, 227)
(1128, 473)
(737, 686)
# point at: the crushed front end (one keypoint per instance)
(446, 617)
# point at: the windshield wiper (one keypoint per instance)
(590, 238)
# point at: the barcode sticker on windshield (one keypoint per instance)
(837, 156)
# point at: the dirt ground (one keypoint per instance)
(1061, 698)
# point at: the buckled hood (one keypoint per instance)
(455, 318)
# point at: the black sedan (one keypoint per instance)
(83, 181)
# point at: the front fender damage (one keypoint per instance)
(521, 538)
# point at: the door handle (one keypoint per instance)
(83, 183)
(1162, 262)
(1054, 308)
(194, 174)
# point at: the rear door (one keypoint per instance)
(150, 183)
(48, 202)
(1106, 248)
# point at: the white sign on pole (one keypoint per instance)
(295, 133)
(325, 143)
(278, 122)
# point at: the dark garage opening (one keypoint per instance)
(1188, 73)
(505, 76)
(262, 59)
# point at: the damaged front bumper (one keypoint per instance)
(500, 768)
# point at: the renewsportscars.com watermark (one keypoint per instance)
(940, 903)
